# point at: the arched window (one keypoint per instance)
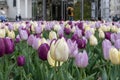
(14, 3)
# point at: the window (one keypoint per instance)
(14, 3)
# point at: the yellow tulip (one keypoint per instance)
(114, 57)
(101, 34)
(104, 28)
(2, 33)
(34, 24)
(59, 50)
(43, 40)
(52, 35)
(114, 28)
(118, 30)
(23, 25)
(87, 28)
(11, 34)
(93, 40)
(6, 29)
(57, 27)
(92, 30)
(73, 29)
(67, 26)
(108, 28)
(52, 49)
(16, 26)
(51, 61)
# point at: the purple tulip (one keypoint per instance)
(113, 37)
(106, 45)
(118, 36)
(61, 33)
(88, 34)
(9, 46)
(38, 29)
(80, 25)
(117, 44)
(30, 39)
(67, 31)
(2, 47)
(78, 32)
(81, 43)
(20, 60)
(97, 24)
(35, 43)
(28, 32)
(108, 35)
(17, 40)
(74, 37)
(23, 34)
(10, 27)
(72, 47)
(81, 60)
(43, 51)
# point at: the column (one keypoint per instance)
(26, 8)
(82, 9)
(62, 9)
(18, 7)
(44, 9)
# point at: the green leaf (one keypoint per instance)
(104, 75)
(91, 77)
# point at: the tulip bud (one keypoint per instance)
(30, 39)
(43, 51)
(106, 46)
(2, 33)
(113, 37)
(11, 34)
(81, 43)
(23, 34)
(52, 35)
(36, 43)
(93, 40)
(9, 45)
(101, 34)
(118, 30)
(15, 26)
(73, 29)
(43, 40)
(20, 60)
(59, 51)
(38, 30)
(117, 44)
(2, 47)
(114, 57)
(80, 25)
(73, 47)
(51, 61)
(57, 27)
(114, 28)
(108, 35)
(81, 59)
(17, 40)
(67, 31)
(88, 34)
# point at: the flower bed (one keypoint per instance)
(59, 50)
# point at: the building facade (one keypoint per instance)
(105, 9)
(51, 9)
(17, 7)
(115, 7)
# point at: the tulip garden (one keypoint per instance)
(60, 50)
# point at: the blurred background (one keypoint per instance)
(57, 9)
